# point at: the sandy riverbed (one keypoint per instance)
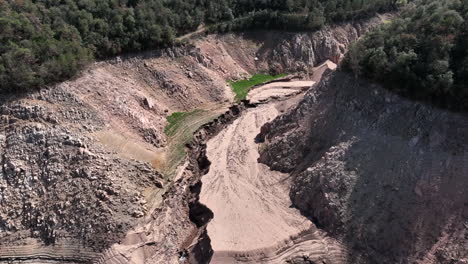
(253, 220)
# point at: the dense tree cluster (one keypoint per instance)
(299, 14)
(46, 41)
(422, 54)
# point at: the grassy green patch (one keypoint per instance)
(241, 88)
(180, 129)
(177, 119)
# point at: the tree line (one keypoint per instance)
(47, 41)
(302, 14)
(422, 54)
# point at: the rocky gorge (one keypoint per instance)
(84, 179)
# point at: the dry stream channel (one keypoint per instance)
(253, 218)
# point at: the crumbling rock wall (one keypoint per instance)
(281, 52)
(386, 175)
(57, 187)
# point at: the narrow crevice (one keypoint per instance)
(198, 212)
(199, 164)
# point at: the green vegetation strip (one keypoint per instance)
(180, 129)
(177, 119)
(241, 88)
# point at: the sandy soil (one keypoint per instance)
(277, 89)
(283, 89)
(253, 219)
(242, 192)
(201, 29)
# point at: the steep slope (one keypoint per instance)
(385, 175)
(63, 197)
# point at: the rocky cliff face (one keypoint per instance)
(386, 175)
(299, 52)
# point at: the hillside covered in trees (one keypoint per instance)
(47, 41)
(422, 54)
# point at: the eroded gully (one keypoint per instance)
(252, 218)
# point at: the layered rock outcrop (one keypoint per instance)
(386, 175)
(299, 52)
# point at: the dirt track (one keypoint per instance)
(253, 220)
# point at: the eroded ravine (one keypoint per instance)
(96, 139)
(253, 218)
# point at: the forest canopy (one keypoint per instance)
(422, 54)
(46, 41)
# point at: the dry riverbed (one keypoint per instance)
(253, 220)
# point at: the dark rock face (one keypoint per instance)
(386, 175)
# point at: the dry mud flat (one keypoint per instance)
(253, 219)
